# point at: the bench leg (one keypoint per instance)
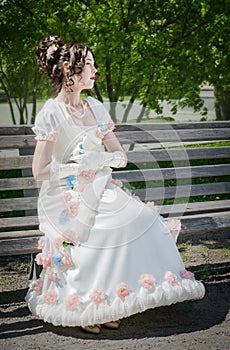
(35, 269)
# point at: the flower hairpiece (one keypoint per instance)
(50, 51)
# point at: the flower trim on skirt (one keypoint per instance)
(99, 308)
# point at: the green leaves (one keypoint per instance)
(148, 50)
(67, 244)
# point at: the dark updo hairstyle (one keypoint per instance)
(52, 52)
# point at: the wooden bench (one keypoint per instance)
(160, 159)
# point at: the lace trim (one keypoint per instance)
(42, 135)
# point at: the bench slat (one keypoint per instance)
(24, 162)
(175, 126)
(198, 217)
(26, 129)
(16, 130)
(173, 136)
(177, 154)
(20, 234)
(205, 223)
(195, 207)
(160, 193)
(172, 210)
(133, 175)
(23, 221)
(18, 246)
(25, 141)
(20, 162)
(18, 141)
(24, 203)
(182, 191)
(18, 183)
(25, 242)
(174, 173)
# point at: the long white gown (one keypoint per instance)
(105, 255)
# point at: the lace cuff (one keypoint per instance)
(104, 128)
(42, 135)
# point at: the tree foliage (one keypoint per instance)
(150, 50)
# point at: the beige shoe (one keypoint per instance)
(94, 329)
(112, 324)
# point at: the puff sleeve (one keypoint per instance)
(104, 121)
(45, 127)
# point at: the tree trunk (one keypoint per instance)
(112, 111)
(99, 96)
(109, 83)
(129, 106)
(222, 103)
(9, 101)
(37, 79)
(7, 92)
(142, 112)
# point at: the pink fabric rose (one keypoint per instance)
(123, 290)
(117, 182)
(43, 259)
(58, 242)
(72, 302)
(39, 258)
(97, 296)
(111, 125)
(46, 260)
(50, 50)
(147, 281)
(37, 285)
(99, 133)
(154, 208)
(73, 208)
(87, 175)
(173, 226)
(66, 196)
(171, 278)
(67, 261)
(69, 236)
(41, 242)
(187, 274)
(50, 297)
(79, 187)
(52, 275)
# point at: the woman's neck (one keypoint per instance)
(73, 98)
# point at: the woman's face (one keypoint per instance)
(87, 77)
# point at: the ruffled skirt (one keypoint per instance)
(129, 263)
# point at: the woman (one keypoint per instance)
(105, 255)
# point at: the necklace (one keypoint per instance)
(73, 111)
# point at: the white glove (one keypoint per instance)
(96, 160)
(61, 171)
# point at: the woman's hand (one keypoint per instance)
(93, 160)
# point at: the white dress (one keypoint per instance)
(105, 255)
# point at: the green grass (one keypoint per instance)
(211, 144)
